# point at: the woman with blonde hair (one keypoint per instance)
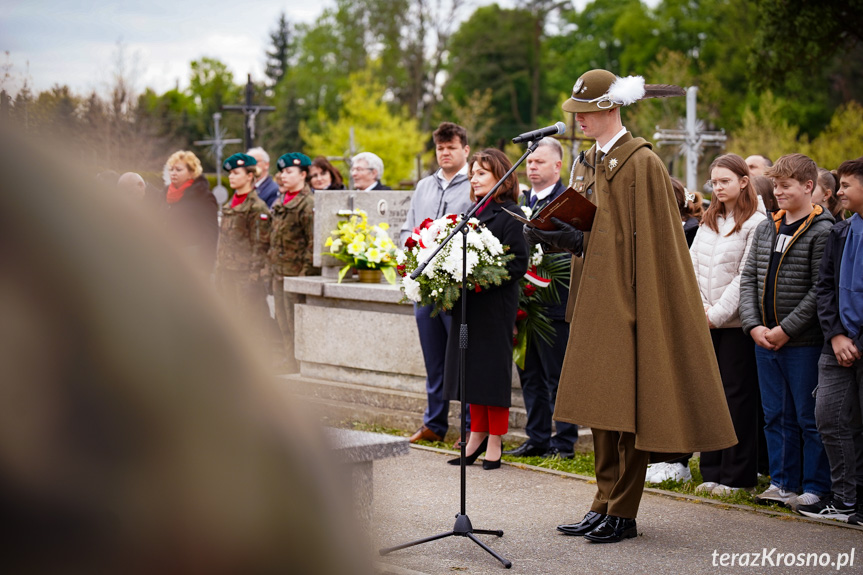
(490, 317)
(719, 254)
(191, 209)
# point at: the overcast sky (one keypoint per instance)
(74, 42)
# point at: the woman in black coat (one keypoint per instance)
(191, 210)
(490, 317)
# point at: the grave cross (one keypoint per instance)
(217, 144)
(692, 139)
(251, 111)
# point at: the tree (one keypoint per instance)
(841, 139)
(388, 131)
(767, 132)
(493, 49)
(280, 52)
(211, 85)
(797, 37)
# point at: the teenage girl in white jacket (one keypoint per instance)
(719, 253)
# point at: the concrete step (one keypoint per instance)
(380, 398)
(338, 413)
(340, 402)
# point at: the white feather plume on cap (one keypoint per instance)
(626, 91)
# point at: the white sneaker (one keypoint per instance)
(805, 499)
(672, 471)
(774, 494)
(724, 490)
(652, 469)
(707, 487)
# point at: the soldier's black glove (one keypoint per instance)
(565, 237)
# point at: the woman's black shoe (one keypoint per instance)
(488, 464)
(469, 459)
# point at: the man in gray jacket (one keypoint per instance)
(447, 191)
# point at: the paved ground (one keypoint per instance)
(418, 496)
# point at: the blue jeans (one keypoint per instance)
(434, 332)
(787, 379)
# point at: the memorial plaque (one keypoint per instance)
(390, 206)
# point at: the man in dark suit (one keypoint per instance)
(266, 188)
(367, 169)
(543, 361)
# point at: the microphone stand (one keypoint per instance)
(463, 527)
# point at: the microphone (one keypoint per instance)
(557, 129)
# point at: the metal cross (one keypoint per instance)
(251, 111)
(217, 143)
(692, 139)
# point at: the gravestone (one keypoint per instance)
(390, 206)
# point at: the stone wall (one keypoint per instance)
(390, 206)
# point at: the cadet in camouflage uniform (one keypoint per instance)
(291, 239)
(243, 242)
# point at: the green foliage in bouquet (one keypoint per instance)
(539, 288)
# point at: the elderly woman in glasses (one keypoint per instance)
(367, 169)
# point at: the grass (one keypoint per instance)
(582, 464)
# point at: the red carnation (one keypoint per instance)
(529, 289)
(426, 224)
(477, 289)
(410, 243)
(452, 218)
(520, 315)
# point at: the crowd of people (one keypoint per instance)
(754, 306)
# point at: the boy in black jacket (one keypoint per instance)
(839, 294)
(778, 310)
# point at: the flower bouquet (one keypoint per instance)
(440, 282)
(539, 288)
(361, 246)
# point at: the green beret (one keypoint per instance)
(293, 159)
(239, 161)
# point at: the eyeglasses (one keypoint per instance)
(723, 183)
(358, 168)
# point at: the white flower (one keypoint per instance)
(536, 255)
(400, 257)
(412, 289)
(527, 211)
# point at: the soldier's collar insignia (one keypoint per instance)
(612, 163)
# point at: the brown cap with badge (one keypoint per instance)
(599, 89)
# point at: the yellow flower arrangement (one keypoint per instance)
(361, 246)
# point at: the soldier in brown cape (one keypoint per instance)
(291, 243)
(243, 239)
(639, 367)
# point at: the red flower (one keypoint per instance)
(477, 289)
(410, 243)
(529, 289)
(515, 341)
(426, 224)
(520, 315)
(401, 270)
(452, 218)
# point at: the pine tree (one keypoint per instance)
(281, 51)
